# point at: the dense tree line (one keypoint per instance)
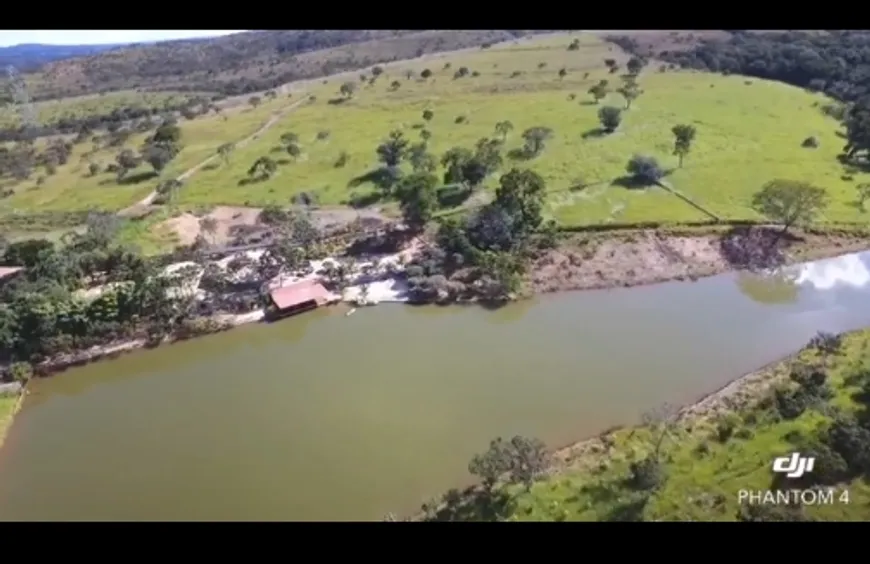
(836, 63)
(136, 117)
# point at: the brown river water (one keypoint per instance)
(328, 417)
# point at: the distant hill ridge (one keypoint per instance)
(244, 62)
(30, 56)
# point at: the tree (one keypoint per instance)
(225, 150)
(426, 73)
(255, 101)
(563, 72)
(393, 149)
(863, 194)
(503, 128)
(127, 160)
(520, 460)
(635, 65)
(294, 150)
(347, 90)
(574, 45)
(630, 91)
(209, 226)
(421, 160)
(644, 170)
(610, 118)
(417, 198)
(425, 135)
(453, 161)
(599, 91)
(683, 137)
(93, 169)
(535, 139)
(289, 138)
(521, 194)
(377, 71)
(790, 202)
(158, 156)
(428, 115)
(263, 168)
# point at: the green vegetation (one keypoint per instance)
(72, 110)
(691, 466)
(7, 409)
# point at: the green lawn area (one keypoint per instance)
(7, 405)
(748, 132)
(704, 469)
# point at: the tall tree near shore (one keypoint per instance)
(790, 202)
(684, 135)
(225, 150)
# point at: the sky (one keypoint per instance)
(96, 37)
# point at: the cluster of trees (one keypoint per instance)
(841, 447)
(41, 314)
(46, 310)
(132, 118)
(834, 62)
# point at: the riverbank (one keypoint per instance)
(9, 406)
(646, 256)
(712, 449)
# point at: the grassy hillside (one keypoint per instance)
(710, 453)
(245, 62)
(749, 131)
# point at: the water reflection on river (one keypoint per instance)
(333, 417)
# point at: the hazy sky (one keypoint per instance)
(95, 37)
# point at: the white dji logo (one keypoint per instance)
(794, 466)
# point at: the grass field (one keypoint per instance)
(98, 104)
(704, 472)
(7, 406)
(748, 132)
(73, 189)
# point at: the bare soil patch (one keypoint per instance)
(234, 221)
(647, 257)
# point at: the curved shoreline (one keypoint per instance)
(733, 395)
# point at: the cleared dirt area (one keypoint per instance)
(227, 219)
(647, 257)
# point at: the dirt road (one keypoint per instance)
(142, 205)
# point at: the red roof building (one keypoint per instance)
(8, 271)
(300, 296)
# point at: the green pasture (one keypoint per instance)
(748, 132)
(72, 188)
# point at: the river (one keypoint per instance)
(328, 417)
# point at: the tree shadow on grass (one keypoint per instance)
(588, 103)
(630, 182)
(382, 177)
(474, 504)
(212, 166)
(365, 199)
(595, 133)
(137, 178)
(521, 154)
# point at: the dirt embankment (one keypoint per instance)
(636, 258)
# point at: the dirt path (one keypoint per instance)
(142, 205)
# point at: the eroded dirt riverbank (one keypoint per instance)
(643, 257)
